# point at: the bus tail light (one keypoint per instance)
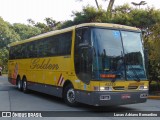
(102, 88)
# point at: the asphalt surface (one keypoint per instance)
(12, 99)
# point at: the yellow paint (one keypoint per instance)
(48, 70)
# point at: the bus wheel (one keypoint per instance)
(69, 95)
(19, 84)
(25, 90)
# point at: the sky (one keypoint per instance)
(18, 11)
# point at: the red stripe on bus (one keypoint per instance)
(59, 79)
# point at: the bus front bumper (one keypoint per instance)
(102, 98)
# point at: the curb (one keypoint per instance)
(154, 97)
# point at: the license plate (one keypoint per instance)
(125, 96)
(105, 97)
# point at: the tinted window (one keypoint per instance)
(51, 46)
(82, 60)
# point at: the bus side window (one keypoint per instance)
(31, 50)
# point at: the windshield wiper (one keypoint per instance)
(133, 70)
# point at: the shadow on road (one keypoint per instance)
(80, 105)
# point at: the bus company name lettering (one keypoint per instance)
(43, 64)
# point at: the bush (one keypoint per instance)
(154, 86)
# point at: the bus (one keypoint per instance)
(98, 64)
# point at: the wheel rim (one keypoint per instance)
(24, 85)
(19, 84)
(71, 96)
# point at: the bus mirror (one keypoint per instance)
(84, 45)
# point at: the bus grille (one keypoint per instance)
(132, 87)
(118, 88)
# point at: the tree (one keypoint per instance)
(122, 15)
(95, 2)
(25, 31)
(139, 4)
(154, 54)
(4, 58)
(109, 8)
(141, 18)
(49, 25)
(89, 14)
(7, 34)
(52, 24)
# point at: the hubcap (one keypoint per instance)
(19, 84)
(71, 96)
(24, 85)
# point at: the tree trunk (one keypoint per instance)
(109, 9)
(97, 4)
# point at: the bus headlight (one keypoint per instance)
(103, 88)
(142, 87)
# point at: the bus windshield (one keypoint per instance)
(118, 55)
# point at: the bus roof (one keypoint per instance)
(48, 34)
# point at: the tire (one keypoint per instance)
(19, 84)
(24, 86)
(69, 95)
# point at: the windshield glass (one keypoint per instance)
(117, 55)
(134, 56)
(108, 53)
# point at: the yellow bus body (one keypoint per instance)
(53, 72)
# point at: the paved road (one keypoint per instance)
(13, 100)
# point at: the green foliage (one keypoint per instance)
(12, 33)
(154, 86)
(25, 31)
(4, 58)
(49, 25)
(67, 23)
(141, 18)
(121, 15)
(125, 15)
(153, 43)
(7, 35)
(145, 18)
(89, 14)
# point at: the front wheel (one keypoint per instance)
(69, 95)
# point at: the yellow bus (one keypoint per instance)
(99, 64)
